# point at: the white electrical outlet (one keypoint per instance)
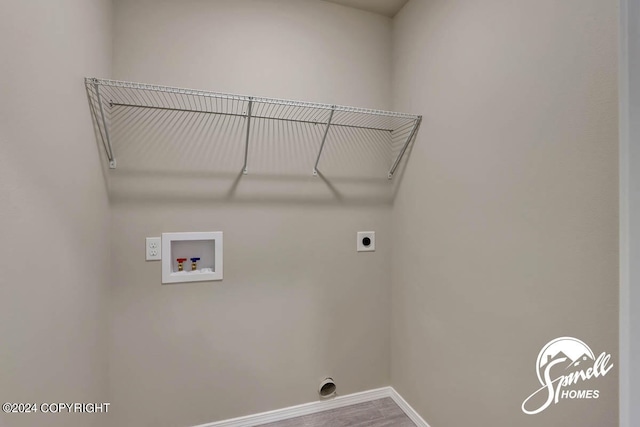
(153, 249)
(366, 241)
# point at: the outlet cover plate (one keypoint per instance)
(153, 249)
(361, 241)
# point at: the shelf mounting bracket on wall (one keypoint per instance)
(404, 147)
(106, 140)
(324, 139)
(246, 142)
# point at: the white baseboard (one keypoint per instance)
(411, 413)
(320, 406)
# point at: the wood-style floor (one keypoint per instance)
(377, 413)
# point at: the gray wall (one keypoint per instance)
(297, 302)
(630, 212)
(505, 225)
(54, 216)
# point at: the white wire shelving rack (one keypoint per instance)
(106, 96)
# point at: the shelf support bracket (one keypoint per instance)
(246, 141)
(109, 150)
(404, 147)
(324, 139)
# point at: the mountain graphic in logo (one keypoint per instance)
(574, 351)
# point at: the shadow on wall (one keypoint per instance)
(168, 155)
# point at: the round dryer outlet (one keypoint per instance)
(366, 241)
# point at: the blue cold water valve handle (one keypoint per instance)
(195, 259)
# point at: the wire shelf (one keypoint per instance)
(112, 102)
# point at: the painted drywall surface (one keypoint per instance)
(297, 302)
(506, 222)
(54, 251)
(277, 48)
(629, 215)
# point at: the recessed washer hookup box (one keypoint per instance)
(191, 257)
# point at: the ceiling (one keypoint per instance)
(383, 7)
